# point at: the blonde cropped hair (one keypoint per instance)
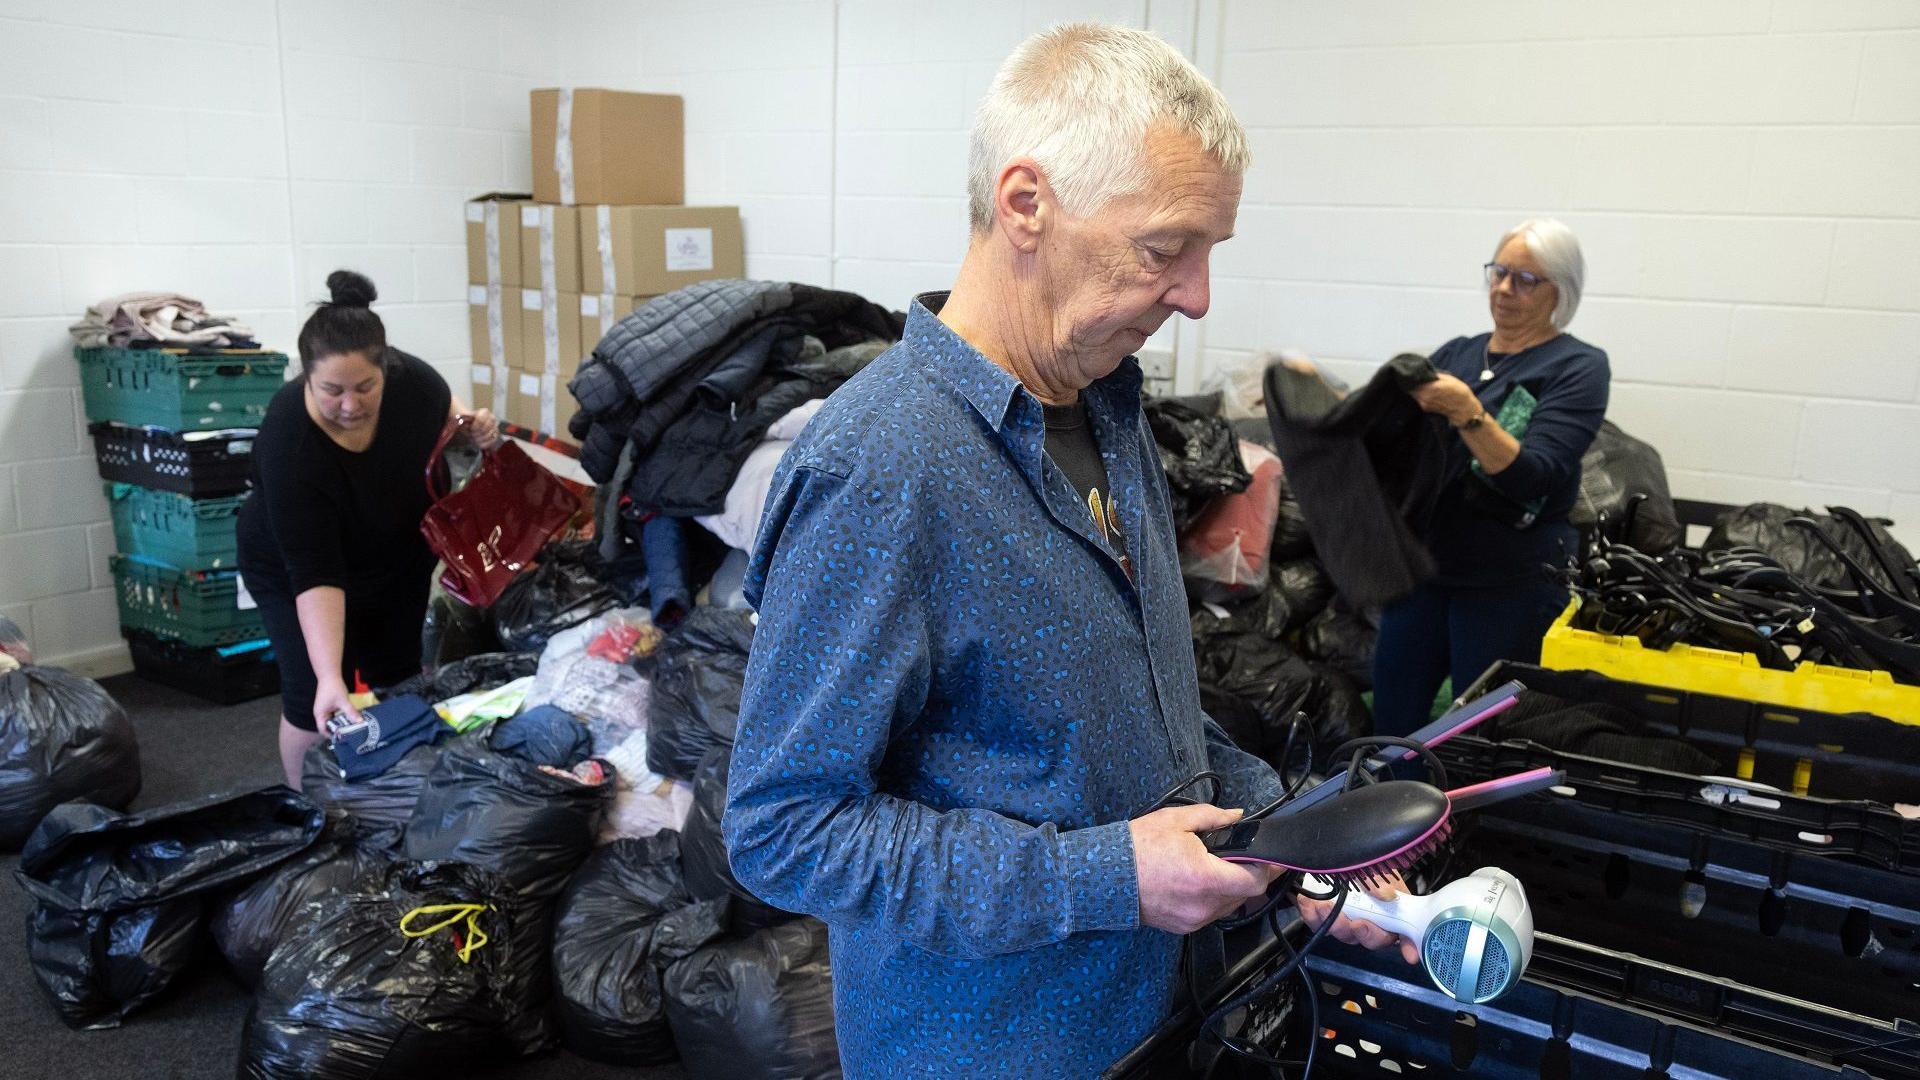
(1079, 99)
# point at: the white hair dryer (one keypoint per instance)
(1475, 935)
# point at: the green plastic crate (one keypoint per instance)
(200, 608)
(179, 392)
(168, 527)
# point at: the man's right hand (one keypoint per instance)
(1182, 886)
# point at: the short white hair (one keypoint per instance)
(1079, 99)
(1558, 250)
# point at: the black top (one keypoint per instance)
(1570, 380)
(1071, 446)
(322, 515)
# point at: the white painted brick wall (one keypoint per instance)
(239, 152)
(1740, 174)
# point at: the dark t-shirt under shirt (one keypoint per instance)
(1071, 445)
(323, 515)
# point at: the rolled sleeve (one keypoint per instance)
(840, 662)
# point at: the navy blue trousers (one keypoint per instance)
(1440, 631)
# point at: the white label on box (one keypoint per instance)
(482, 375)
(529, 385)
(529, 217)
(476, 213)
(477, 295)
(530, 299)
(689, 249)
(242, 599)
(590, 305)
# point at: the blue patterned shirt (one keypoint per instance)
(956, 700)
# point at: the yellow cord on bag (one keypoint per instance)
(476, 937)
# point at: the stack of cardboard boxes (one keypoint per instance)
(549, 274)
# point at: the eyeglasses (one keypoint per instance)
(1524, 281)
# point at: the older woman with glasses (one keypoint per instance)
(1524, 402)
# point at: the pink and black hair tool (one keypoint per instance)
(1361, 834)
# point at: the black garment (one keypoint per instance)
(710, 417)
(1595, 729)
(1366, 469)
(320, 515)
(1071, 446)
(1569, 379)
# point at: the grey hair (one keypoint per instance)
(1558, 250)
(1079, 99)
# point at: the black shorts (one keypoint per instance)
(382, 643)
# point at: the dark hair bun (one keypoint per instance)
(351, 289)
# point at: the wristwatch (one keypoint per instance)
(1478, 419)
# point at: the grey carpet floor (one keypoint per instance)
(187, 748)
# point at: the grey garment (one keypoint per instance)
(648, 348)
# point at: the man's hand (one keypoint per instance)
(1359, 931)
(1182, 887)
(1449, 397)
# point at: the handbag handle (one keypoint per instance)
(435, 491)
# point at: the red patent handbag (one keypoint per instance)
(490, 529)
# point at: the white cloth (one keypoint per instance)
(789, 426)
(168, 318)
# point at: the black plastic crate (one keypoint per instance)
(1809, 927)
(1830, 755)
(226, 675)
(202, 465)
(1380, 1018)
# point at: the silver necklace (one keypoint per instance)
(1486, 361)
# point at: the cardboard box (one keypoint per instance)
(495, 213)
(523, 401)
(533, 334)
(550, 247)
(656, 249)
(608, 146)
(479, 334)
(564, 406)
(483, 391)
(598, 314)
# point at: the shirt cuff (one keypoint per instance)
(1103, 885)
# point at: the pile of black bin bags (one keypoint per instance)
(1285, 644)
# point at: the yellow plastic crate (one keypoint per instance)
(1728, 674)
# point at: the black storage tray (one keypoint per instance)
(202, 468)
(1846, 755)
(1812, 928)
(1871, 834)
(1381, 1018)
(204, 673)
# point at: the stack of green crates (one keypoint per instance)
(175, 575)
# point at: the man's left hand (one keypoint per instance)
(1359, 931)
(1448, 397)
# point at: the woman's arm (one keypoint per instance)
(1486, 440)
(323, 623)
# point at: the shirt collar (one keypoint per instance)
(988, 387)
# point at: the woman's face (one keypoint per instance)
(1517, 313)
(346, 389)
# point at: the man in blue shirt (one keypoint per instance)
(973, 674)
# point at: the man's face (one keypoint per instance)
(1111, 278)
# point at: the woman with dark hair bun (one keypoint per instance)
(330, 544)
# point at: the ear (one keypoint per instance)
(1021, 200)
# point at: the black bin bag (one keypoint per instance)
(481, 671)
(247, 925)
(625, 916)
(559, 592)
(698, 674)
(385, 799)
(759, 1006)
(362, 990)
(703, 852)
(120, 899)
(61, 738)
(532, 829)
